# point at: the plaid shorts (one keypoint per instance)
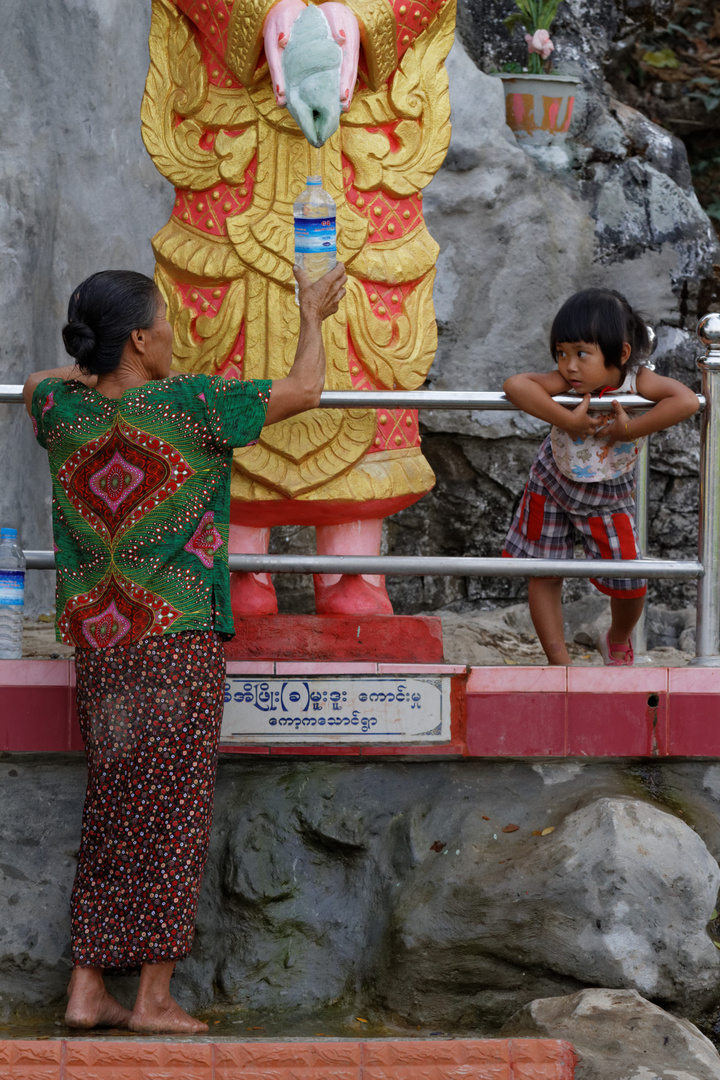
(554, 508)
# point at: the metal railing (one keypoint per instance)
(706, 570)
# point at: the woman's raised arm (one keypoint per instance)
(301, 389)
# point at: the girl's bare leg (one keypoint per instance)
(546, 613)
(625, 613)
(156, 1012)
(90, 1005)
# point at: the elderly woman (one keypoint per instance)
(140, 467)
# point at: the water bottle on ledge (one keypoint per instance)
(315, 233)
(12, 595)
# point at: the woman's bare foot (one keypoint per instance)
(155, 1011)
(167, 1019)
(90, 1005)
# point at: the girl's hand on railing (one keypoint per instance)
(579, 423)
(615, 429)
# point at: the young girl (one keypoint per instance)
(583, 476)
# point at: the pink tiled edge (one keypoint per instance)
(381, 1059)
(617, 680)
(574, 680)
(250, 667)
(518, 680)
(36, 673)
(422, 669)
(694, 680)
(31, 1060)
(297, 667)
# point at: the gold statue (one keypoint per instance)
(212, 124)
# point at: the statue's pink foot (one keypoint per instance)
(351, 595)
(252, 594)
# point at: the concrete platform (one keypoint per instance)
(507, 711)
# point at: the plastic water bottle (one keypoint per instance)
(315, 231)
(12, 595)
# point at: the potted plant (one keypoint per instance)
(538, 102)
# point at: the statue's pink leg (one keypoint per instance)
(350, 594)
(251, 594)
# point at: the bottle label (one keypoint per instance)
(314, 235)
(12, 587)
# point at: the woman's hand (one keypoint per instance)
(320, 298)
(614, 429)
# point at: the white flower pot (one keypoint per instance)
(539, 108)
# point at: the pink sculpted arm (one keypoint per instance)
(276, 34)
(346, 32)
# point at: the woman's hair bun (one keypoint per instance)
(79, 341)
(102, 314)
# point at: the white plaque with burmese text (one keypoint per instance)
(369, 710)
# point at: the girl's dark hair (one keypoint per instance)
(604, 318)
(103, 312)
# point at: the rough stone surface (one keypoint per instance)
(568, 908)
(78, 193)
(392, 888)
(618, 1035)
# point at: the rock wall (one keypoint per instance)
(518, 233)
(442, 895)
(78, 193)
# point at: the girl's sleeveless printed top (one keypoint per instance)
(141, 503)
(588, 458)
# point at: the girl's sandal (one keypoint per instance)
(606, 650)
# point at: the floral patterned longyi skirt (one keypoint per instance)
(150, 717)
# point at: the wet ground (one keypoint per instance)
(246, 1027)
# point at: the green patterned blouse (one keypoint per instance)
(141, 503)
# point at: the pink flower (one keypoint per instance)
(540, 43)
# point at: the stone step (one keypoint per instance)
(415, 639)
(167, 1058)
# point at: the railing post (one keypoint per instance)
(642, 496)
(707, 634)
(642, 483)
